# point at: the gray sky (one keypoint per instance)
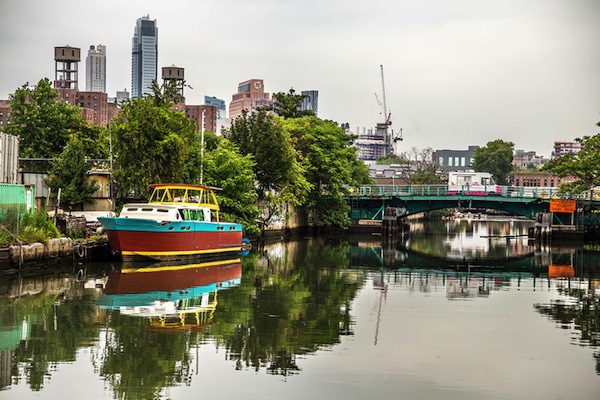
(457, 72)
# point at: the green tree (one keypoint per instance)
(42, 121)
(496, 158)
(584, 166)
(153, 143)
(289, 105)
(419, 167)
(391, 159)
(280, 177)
(95, 140)
(329, 159)
(69, 173)
(227, 169)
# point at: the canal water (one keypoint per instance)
(462, 309)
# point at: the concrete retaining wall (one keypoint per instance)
(38, 251)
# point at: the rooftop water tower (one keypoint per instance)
(176, 75)
(66, 60)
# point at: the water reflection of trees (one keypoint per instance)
(579, 312)
(292, 301)
(59, 325)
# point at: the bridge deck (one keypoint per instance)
(368, 202)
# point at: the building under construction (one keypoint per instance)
(374, 144)
(379, 143)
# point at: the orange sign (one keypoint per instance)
(561, 271)
(563, 206)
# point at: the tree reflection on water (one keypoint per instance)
(288, 299)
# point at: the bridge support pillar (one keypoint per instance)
(392, 224)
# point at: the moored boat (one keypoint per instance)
(180, 221)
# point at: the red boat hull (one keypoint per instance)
(131, 245)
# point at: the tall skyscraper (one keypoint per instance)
(95, 69)
(311, 101)
(144, 56)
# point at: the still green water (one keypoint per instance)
(454, 310)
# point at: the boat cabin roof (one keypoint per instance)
(184, 195)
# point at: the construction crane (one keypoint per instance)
(386, 114)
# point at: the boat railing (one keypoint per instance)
(185, 195)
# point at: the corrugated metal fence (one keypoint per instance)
(15, 200)
(9, 158)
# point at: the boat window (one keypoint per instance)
(147, 209)
(182, 214)
(193, 215)
(163, 210)
(132, 209)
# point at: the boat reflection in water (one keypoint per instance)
(172, 296)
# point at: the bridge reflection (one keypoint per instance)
(546, 261)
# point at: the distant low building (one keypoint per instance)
(392, 174)
(562, 148)
(527, 159)
(455, 160)
(539, 179)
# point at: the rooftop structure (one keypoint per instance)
(66, 67)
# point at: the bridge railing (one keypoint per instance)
(442, 190)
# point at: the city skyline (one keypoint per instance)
(456, 73)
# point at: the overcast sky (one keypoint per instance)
(457, 72)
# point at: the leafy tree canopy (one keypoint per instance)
(288, 105)
(69, 173)
(584, 166)
(329, 160)
(391, 159)
(228, 169)
(153, 143)
(42, 121)
(496, 158)
(276, 167)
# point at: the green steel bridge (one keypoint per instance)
(370, 202)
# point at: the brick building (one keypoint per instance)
(250, 95)
(194, 112)
(4, 112)
(539, 179)
(97, 102)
